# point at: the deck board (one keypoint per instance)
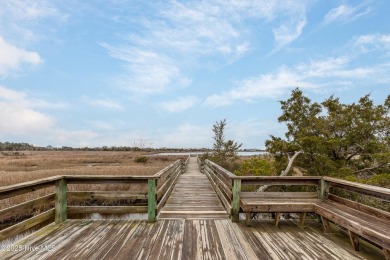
(193, 197)
(184, 239)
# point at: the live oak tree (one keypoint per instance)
(331, 138)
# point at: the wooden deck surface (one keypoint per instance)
(193, 197)
(181, 239)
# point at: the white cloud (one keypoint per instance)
(13, 58)
(287, 33)
(181, 34)
(17, 116)
(147, 72)
(20, 19)
(345, 13)
(327, 73)
(180, 104)
(105, 103)
(370, 42)
(27, 10)
(266, 85)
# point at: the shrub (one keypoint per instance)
(141, 159)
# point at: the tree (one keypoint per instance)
(224, 152)
(334, 138)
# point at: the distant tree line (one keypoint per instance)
(10, 146)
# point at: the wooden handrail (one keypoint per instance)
(373, 191)
(29, 186)
(158, 174)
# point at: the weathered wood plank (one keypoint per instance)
(374, 191)
(155, 234)
(236, 200)
(26, 207)
(354, 240)
(107, 209)
(152, 200)
(134, 243)
(220, 169)
(25, 187)
(167, 185)
(278, 195)
(182, 239)
(307, 205)
(84, 239)
(161, 172)
(278, 182)
(25, 225)
(192, 196)
(358, 226)
(60, 201)
(167, 192)
(130, 231)
(386, 253)
(323, 189)
(225, 202)
(381, 214)
(106, 195)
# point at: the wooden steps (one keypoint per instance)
(193, 197)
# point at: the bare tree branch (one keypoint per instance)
(285, 172)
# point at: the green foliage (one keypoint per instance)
(141, 159)
(336, 139)
(224, 152)
(257, 166)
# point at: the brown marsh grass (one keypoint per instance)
(18, 167)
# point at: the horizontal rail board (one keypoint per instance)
(158, 174)
(106, 209)
(287, 207)
(25, 207)
(106, 195)
(354, 224)
(107, 181)
(27, 224)
(25, 187)
(279, 195)
(162, 199)
(222, 198)
(163, 189)
(361, 207)
(281, 182)
(222, 179)
(169, 171)
(374, 191)
(221, 170)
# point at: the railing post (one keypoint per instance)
(152, 200)
(324, 189)
(236, 200)
(60, 201)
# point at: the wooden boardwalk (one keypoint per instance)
(182, 239)
(192, 224)
(193, 197)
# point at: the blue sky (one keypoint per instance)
(118, 72)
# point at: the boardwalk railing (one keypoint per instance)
(262, 202)
(151, 194)
(320, 195)
(222, 182)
